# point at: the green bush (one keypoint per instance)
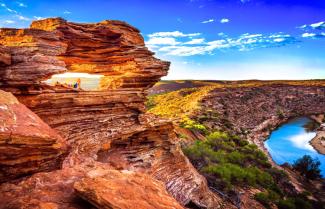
(228, 162)
(193, 126)
(263, 198)
(286, 204)
(308, 167)
(266, 198)
(295, 203)
(231, 160)
(232, 174)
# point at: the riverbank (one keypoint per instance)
(318, 142)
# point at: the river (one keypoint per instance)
(291, 141)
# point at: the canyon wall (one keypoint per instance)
(254, 112)
(104, 129)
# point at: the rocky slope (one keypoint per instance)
(255, 111)
(250, 110)
(109, 125)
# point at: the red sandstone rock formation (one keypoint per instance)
(110, 123)
(56, 190)
(5, 58)
(125, 189)
(27, 144)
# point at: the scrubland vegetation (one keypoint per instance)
(182, 103)
(229, 162)
(179, 104)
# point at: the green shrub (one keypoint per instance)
(280, 113)
(232, 174)
(266, 198)
(193, 126)
(150, 103)
(286, 204)
(263, 198)
(308, 167)
(236, 157)
(302, 203)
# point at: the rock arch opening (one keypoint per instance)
(80, 81)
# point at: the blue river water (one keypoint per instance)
(291, 141)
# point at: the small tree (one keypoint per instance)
(308, 167)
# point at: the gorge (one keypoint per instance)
(64, 147)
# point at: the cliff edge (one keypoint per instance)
(104, 129)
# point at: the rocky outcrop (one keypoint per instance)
(5, 58)
(110, 124)
(154, 151)
(83, 185)
(52, 46)
(27, 144)
(125, 189)
(318, 142)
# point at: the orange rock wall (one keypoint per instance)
(109, 125)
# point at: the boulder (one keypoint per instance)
(125, 189)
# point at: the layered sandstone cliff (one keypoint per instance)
(108, 125)
(27, 144)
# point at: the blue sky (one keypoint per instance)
(206, 39)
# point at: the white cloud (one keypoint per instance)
(318, 25)
(172, 43)
(173, 34)
(38, 18)
(21, 4)
(66, 12)
(162, 41)
(187, 50)
(308, 35)
(20, 17)
(244, 1)
(8, 9)
(195, 41)
(302, 141)
(314, 26)
(224, 20)
(278, 39)
(208, 21)
(247, 36)
(9, 22)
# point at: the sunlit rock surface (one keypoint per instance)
(109, 125)
(27, 144)
(5, 58)
(126, 189)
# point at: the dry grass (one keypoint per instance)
(179, 105)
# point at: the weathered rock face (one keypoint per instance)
(109, 123)
(126, 189)
(57, 189)
(52, 46)
(27, 144)
(155, 152)
(5, 58)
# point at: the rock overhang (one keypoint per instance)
(52, 46)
